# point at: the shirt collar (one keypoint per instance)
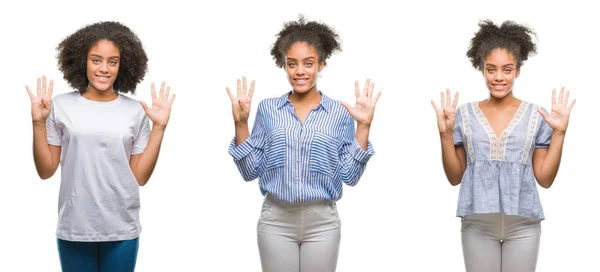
(326, 102)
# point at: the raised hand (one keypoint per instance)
(445, 114)
(40, 103)
(240, 105)
(558, 119)
(161, 106)
(364, 109)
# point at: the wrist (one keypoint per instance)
(363, 126)
(160, 127)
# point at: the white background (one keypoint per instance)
(197, 212)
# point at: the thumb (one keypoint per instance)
(544, 115)
(347, 106)
(146, 108)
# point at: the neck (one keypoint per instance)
(509, 99)
(310, 97)
(101, 96)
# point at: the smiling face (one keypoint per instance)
(500, 71)
(102, 66)
(302, 66)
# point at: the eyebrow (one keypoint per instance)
(505, 65)
(94, 55)
(303, 59)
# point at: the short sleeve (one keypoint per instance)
(54, 133)
(141, 140)
(456, 131)
(544, 134)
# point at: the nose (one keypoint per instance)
(104, 67)
(499, 77)
(300, 71)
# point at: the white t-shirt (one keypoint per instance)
(99, 195)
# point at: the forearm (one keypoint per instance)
(241, 132)
(453, 167)
(145, 166)
(42, 157)
(549, 167)
(362, 135)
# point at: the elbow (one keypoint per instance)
(44, 175)
(248, 178)
(545, 183)
(455, 182)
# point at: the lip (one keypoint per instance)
(498, 86)
(301, 81)
(103, 78)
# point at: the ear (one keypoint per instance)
(518, 72)
(321, 65)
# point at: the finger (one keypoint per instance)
(449, 115)
(443, 100)
(153, 91)
(553, 97)
(347, 106)
(371, 87)
(146, 108)
(251, 92)
(455, 102)
(571, 105)
(166, 98)
(366, 88)
(239, 87)
(560, 96)
(244, 86)
(544, 115)
(435, 107)
(566, 100)
(44, 85)
(161, 93)
(377, 97)
(29, 92)
(50, 89)
(230, 94)
(356, 89)
(172, 99)
(39, 86)
(448, 99)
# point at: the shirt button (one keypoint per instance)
(298, 141)
(298, 198)
(298, 179)
(297, 161)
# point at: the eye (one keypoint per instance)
(95, 60)
(112, 62)
(291, 64)
(491, 70)
(309, 64)
(508, 71)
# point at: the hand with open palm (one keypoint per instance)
(41, 102)
(241, 104)
(446, 112)
(558, 119)
(364, 109)
(160, 112)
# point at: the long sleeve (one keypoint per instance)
(353, 158)
(249, 155)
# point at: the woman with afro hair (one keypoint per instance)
(104, 143)
(302, 149)
(497, 149)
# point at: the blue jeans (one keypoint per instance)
(98, 256)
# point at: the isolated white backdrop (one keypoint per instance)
(197, 212)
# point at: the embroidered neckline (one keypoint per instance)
(498, 143)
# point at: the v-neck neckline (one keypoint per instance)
(506, 131)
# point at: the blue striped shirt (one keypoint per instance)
(298, 162)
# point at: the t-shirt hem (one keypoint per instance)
(98, 238)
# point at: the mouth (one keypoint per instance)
(498, 86)
(300, 81)
(103, 78)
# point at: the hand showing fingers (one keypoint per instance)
(446, 112)
(364, 109)
(241, 103)
(41, 102)
(160, 112)
(558, 119)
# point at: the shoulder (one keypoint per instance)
(65, 97)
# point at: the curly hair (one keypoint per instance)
(515, 38)
(73, 51)
(324, 38)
